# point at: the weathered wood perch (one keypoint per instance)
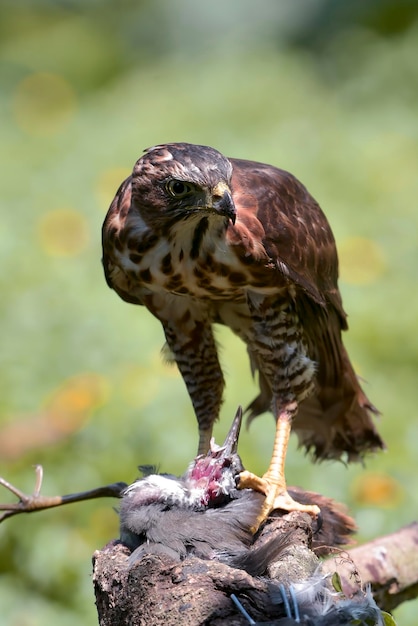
(158, 590)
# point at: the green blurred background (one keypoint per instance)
(325, 89)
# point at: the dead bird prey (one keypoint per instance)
(204, 514)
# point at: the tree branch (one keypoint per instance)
(389, 564)
(37, 502)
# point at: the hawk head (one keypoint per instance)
(178, 181)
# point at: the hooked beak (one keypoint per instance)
(230, 445)
(223, 202)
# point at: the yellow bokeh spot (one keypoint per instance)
(65, 411)
(377, 490)
(361, 260)
(43, 104)
(63, 232)
(108, 183)
(72, 403)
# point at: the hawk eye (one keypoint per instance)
(178, 188)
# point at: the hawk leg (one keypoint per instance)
(193, 346)
(205, 435)
(273, 482)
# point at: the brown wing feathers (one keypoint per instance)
(297, 238)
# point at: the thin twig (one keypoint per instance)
(37, 502)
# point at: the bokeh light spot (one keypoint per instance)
(361, 260)
(74, 401)
(377, 490)
(66, 410)
(63, 232)
(108, 183)
(43, 104)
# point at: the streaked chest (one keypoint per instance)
(190, 261)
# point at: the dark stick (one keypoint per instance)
(37, 502)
